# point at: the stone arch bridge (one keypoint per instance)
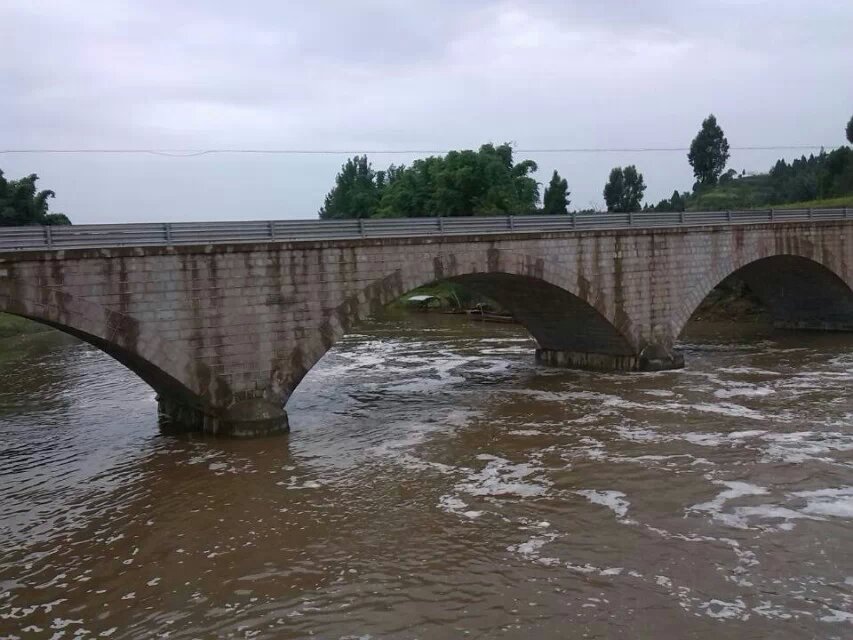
(225, 328)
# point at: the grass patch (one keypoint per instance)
(829, 203)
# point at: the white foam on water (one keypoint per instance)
(501, 351)
(836, 503)
(525, 432)
(735, 610)
(733, 491)
(837, 616)
(640, 434)
(727, 409)
(418, 464)
(749, 371)
(307, 484)
(819, 505)
(750, 433)
(415, 433)
(588, 448)
(702, 439)
(454, 505)
(769, 610)
(613, 500)
(744, 390)
(530, 548)
(500, 477)
(800, 446)
(770, 512)
(660, 393)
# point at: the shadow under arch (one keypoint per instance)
(556, 318)
(798, 293)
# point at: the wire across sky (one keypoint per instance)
(191, 153)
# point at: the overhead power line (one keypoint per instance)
(191, 153)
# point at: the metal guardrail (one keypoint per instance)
(92, 236)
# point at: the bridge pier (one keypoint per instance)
(250, 418)
(648, 360)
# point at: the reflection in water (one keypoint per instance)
(437, 482)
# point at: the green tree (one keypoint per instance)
(677, 202)
(357, 190)
(463, 183)
(555, 200)
(849, 130)
(709, 152)
(22, 204)
(624, 189)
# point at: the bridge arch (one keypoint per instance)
(161, 364)
(800, 290)
(567, 316)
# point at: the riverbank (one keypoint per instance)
(11, 326)
(732, 301)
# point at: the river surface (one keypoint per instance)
(438, 484)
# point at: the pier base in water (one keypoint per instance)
(247, 419)
(646, 361)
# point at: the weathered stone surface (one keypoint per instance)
(225, 332)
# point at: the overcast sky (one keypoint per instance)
(368, 74)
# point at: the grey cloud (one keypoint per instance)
(442, 74)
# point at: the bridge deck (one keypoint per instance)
(188, 233)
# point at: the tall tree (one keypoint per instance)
(22, 204)
(849, 130)
(556, 197)
(463, 183)
(356, 192)
(709, 152)
(624, 190)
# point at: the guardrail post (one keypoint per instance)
(630, 219)
(681, 217)
(361, 227)
(272, 229)
(510, 223)
(440, 224)
(846, 212)
(48, 236)
(811, 215)
(574, 221)
(771, 214)
(167, 231)
(729, 215)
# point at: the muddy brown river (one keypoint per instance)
(438, 484)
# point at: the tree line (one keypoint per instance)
(490, 182)
(462, 183)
